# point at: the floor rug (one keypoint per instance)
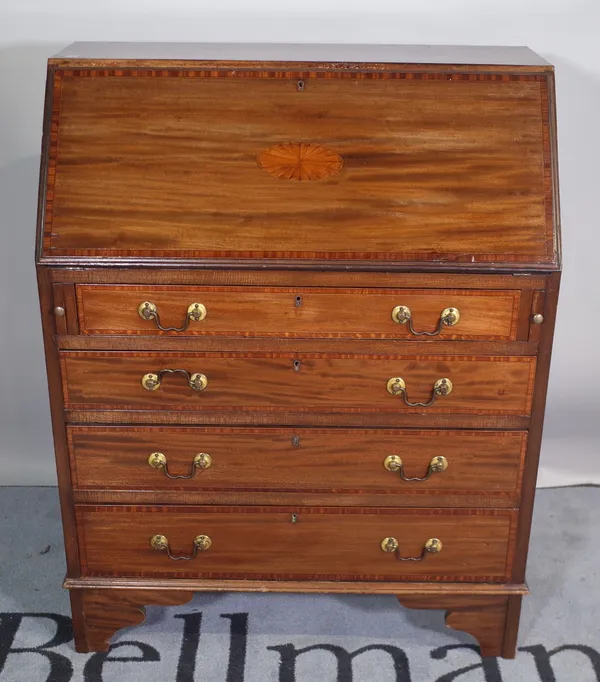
(301, 638)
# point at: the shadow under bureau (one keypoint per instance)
(298, 305)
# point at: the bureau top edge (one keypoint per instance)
(330, 55)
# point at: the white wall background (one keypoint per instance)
(566, 32)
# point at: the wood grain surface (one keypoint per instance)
(263, 542)
(336, 461)
(183, 179)
(350, 418)
(416, 588)
(307, 312)
(303, 382)
(294, 344)
(299, 276)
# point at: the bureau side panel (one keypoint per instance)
(536, 427)
(58, 421)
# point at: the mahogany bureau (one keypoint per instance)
(298, 306)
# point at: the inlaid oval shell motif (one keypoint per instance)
(300, 161)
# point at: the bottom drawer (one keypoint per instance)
(288, 543)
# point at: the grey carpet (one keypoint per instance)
(256, 637)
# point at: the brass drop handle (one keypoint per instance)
(148, 311)
(395, 464)
(402, 314)
(432, 546)
(397, 386)
(158, 461)
(152, 382)
(161, 544)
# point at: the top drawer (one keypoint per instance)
(280, 163)
(445, 314)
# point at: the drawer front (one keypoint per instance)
(308, 312)
(386, 461)
(278, 542)
(377, 166)
(303, 382)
